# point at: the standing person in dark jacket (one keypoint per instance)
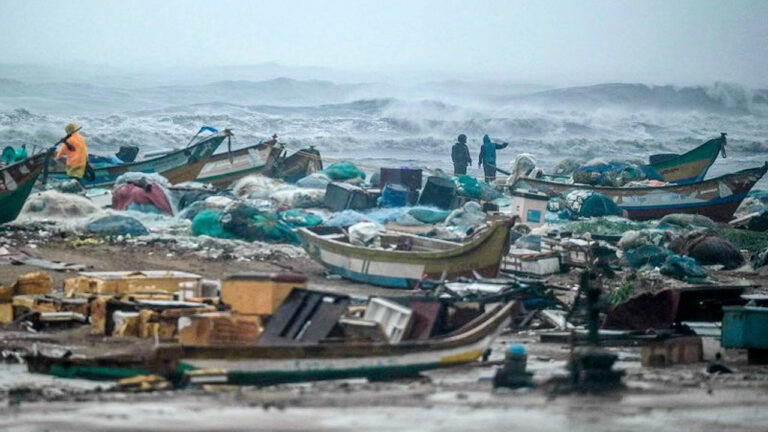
(460, 156)
(487, 158)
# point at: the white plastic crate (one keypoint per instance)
(532, 262)
(393, 318)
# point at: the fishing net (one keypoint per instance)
(468, 186)
(567, 166)
(293, 197)
(256, 187)
(342, 171)
(647, 255)
(364, 233)
(686, 221)
(607, 225)
(140, 177)
(314, 181)
(599, 205)
(614, 173)
(684, 268)
(207, 223)
(586, 203)
(751, 241)
(470, 215)
(635, 239)
(250, 223)
(299, 218)
(54, 206)
(428, 215)
(115, 225)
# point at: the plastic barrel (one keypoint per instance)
(438, 192)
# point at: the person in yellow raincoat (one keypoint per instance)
(76, 151)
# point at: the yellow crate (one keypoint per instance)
(259, 293)
(6, 313)
(113, 283)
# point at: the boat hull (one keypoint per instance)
(283, 364)
(692, 166)
(400, 269)
(16, 183)
(178, 166)
(266, 365)
(717, 198)
(224, 168)
(261, 159)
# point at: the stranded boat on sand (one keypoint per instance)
(271, 364)
(717, 198)
(404, 259)
(266, 158)
(689, 167)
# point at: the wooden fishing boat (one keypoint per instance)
(299, 165)
(266, 158)
(16, 182)
(224, 168)
(692, 166)
(177, 166)
(405, 259)
(717, 198)
(689, 167)
(265, 365)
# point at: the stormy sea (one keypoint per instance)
(394, 124)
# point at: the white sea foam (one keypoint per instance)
(399, 125)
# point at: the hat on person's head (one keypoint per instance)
(70, 128)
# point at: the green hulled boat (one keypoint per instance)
(692, 166)
(16, 182)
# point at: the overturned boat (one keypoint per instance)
(272, 364)
(16, 182)
(717, 198)
(403, 260)
(177, 166)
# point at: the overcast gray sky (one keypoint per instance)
(557, 42)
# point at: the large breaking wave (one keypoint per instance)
(387, 124)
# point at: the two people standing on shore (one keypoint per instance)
(486, 159)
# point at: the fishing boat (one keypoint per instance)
(299, 165)
(177, 166)
(689, 167)
(266, 158)
(717, 198)
(692, 166)
(224, 168)
(266, 365)
(403, 260)
(16, 182)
